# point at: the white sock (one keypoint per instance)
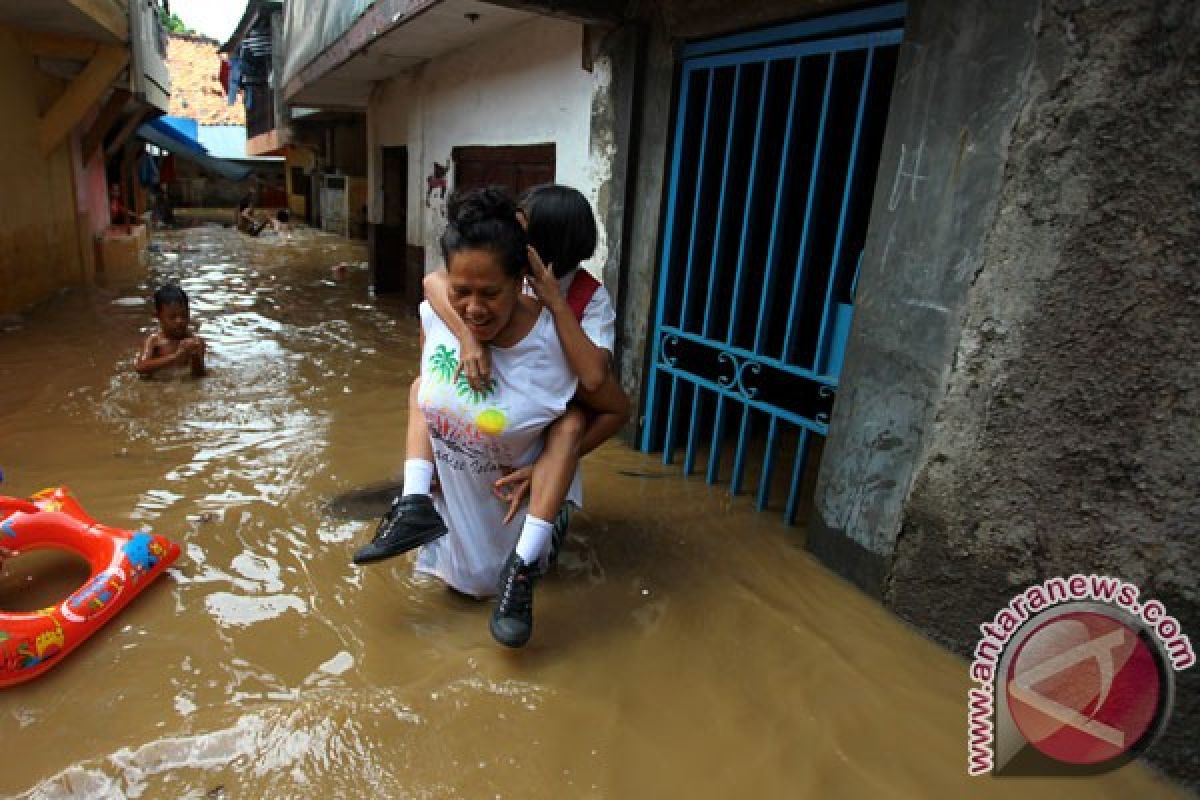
(535, 539)
(418, 474)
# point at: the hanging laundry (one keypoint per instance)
(235, 80)
(147, 170)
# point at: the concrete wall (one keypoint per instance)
(655, 105)
(40, 250)
(524, 85)
(1020, 395)
(618, 53)
(91, 193)
(936, 196)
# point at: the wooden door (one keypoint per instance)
(515, 167)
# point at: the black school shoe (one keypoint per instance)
(411, 522)
(512, 621)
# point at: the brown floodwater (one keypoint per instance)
(686, 647)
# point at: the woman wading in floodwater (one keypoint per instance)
(481, 434)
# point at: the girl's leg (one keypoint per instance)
(512, 618)
(551, 480)
(418, 450)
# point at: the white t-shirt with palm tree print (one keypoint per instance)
(479, 436)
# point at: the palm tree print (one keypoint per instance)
(444, 363)
(464, 390)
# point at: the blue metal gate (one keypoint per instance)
(776, 147)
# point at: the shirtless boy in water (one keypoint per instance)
(174, 345)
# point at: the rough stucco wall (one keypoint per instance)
(39, 248)
(1068, 440)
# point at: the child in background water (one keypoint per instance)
(174, 345)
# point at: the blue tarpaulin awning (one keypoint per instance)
(169, 138)
(185, 125)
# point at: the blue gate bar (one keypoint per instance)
(798, 465)
(816, 426)
(768, 468)
(669, 444)
(841, 229)
(700, 174)
(664, 278)
(751, 179)
(772, 256)
(716, 245)
(893, 12)
(859, 41)
(689, 459)
(769, 361)
(739, 458)
(802, 254)
(714, 450)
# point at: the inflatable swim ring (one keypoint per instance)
(123, 563)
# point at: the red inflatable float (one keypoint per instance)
(123, 563)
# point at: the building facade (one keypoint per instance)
(76, 82)
(323, 147)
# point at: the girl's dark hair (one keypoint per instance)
(169, 295)
(561, 226)
(486, 219)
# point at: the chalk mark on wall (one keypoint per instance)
(907, 175)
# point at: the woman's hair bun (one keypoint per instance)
(467, 209)
(486, 219)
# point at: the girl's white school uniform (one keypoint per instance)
(599, 316)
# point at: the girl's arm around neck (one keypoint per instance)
(588, 362)
(474, 361)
